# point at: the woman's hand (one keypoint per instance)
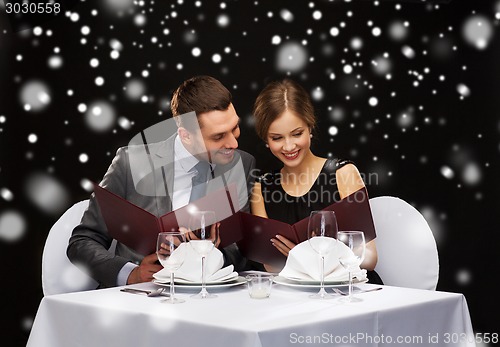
(371, 256)
(282, 244)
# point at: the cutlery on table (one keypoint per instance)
(150, 293)
(338, 291)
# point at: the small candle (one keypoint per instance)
(259, 292)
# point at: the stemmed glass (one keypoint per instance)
(321, 232)
(355, 240)
(204, 233)
(171, 252)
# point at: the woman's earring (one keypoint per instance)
(267, 145)
(311, 136)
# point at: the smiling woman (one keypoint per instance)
(284, 119)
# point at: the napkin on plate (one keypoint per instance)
(190, 270)
(304, 264)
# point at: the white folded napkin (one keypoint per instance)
(190, 271)
(304, 264)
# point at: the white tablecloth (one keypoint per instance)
(389, 317)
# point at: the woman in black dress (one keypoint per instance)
(284, 119)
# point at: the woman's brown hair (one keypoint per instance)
(276, 98)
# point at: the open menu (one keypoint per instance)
(138, 228)
(352, 212)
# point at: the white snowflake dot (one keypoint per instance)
(333, 130)
(376, 32)
(463, 89)
(196, 52)
(334, 31)
(82, 108)
(286, 15)
(447, 172)
(216, 58)
(85, 30)
(6, 194)
(37, 31)
(223, 20)
(86, 184)
(83, 158)
(347, 69)
(99, 81)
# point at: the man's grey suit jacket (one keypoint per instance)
(90, 241)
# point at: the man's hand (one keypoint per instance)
(214, 234)
(144, 272)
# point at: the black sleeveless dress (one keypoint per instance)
(290, 209)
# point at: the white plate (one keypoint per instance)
(313, 284)
(310, 281)
(229, 277)
(235, 282)
(220, 281)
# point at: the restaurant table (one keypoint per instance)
(392, 316)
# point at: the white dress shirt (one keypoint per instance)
(184, 162)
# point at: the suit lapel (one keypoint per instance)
(163, 159)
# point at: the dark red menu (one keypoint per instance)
(138, 229)
(353, 213)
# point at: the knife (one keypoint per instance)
(149, 293)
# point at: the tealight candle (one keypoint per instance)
(259, 286)
(260, 292)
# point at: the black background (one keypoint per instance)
(445, 128)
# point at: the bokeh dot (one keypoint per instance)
(32, 138)
(83, 158)
(12, 226)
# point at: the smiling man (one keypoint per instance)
(216, 118)
(203, 148)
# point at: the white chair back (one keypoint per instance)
(407, 251)
(59, 275)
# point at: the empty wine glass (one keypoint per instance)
(205, 235)
(321, 232)
(355, 240)
(171, 251)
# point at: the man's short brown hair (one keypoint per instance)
(200, 94)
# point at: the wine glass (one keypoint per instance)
(171, 251)
(321, 232)
(204, 236)
(355, 240)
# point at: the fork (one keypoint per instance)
(338, 291)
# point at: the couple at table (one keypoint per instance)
(284, 120)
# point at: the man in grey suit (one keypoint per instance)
(175, 161)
